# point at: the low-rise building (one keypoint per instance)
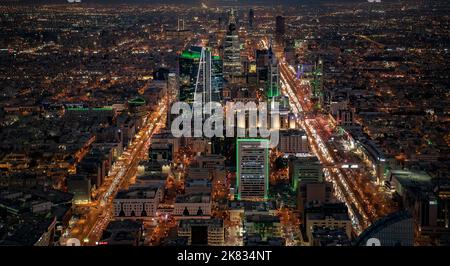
(124, 233)
(137, 202)
(161, 152)
(293, 141)
(210, 161)
(194, 186)
(191, 205)
(332, 215)
(257, 240)
(265, 225)
(202, 231)
(238, 209)
(198, 173)
(313, 192)
(305, 169)
(323, 236)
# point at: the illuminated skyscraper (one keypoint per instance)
(173, 86)
(172, 83)
(317, 84)
(216, 77)
(209, 77)
(232, 67)
(262, 63)
(279, 29)
(273, 86)
(180, 25)
(252, 176)
(251, 17)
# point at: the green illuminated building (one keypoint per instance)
(273, 83)
(189, 61)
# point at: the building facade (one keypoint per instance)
(232, 66)
(137, 203)
(202, 232)
(304, 169)
(252, 174)
(189, 63)
(197, 204)
(293, 141)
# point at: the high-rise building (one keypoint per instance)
(180, 25)
(219, 22)
(262, 63)
(279, 29)
(172, 83)
(232, 67)
(289, 52)
(216, 77)
(251, 17)
(252, 176)
(318, 95)
(267, 72)
(188, 68)
(190, 73)
(273, 84)
(305, 169)
(173, 86)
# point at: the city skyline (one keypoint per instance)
(108, 137)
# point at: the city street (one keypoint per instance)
(99, 212)
(362, 212)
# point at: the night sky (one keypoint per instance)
(194, 2)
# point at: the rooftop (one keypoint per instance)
(138, 193)
(262, 218)
(324, 236)
(194, 198)
(335, 211)
(201, 222)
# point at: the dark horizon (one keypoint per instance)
(329, 124)
(198, 2)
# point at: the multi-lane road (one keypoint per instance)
(362, 211)
(99, 213)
